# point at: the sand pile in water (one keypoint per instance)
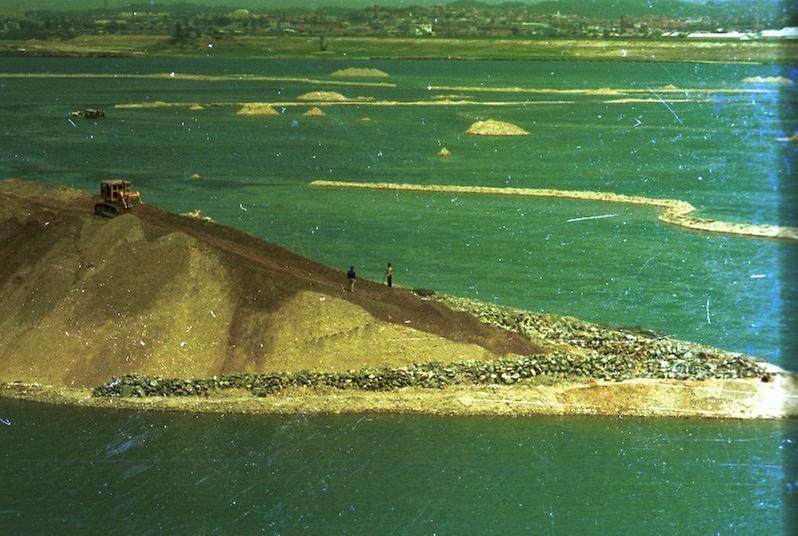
(777, 80)
(315, 112)
(84, 299)
(358, 72)
(257, 108)
(495, 128)
(322, 96)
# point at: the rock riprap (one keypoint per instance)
(620, 351)
(559, 366)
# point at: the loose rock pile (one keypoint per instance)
(645, 353)
(438, 375)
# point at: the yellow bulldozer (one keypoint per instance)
(117, 197)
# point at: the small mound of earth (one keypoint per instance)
(315, 112)
(776, 80)
(495, 128)
(257, 108)
(323, 96)
(444, 152)
(358, 72)
(196, 107)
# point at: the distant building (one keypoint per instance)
(790, 32)
(718, 35)
(425, 28)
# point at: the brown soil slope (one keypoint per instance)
(84, 298)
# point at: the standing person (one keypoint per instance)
(351, 278)
(389, 275)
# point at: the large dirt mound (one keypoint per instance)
(84, 298)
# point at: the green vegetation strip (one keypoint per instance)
(675, 212)
(352, 48)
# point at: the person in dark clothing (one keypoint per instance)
(351, 278)
(389, 275)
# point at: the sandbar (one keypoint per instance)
(675, 212)
(492, 127)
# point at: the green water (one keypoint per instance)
(722, 155)
(126, 473)
(73, 471)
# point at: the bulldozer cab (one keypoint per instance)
(117, 197)
(114, 190)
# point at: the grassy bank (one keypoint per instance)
(671, 50)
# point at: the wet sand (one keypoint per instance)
(712, 399)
